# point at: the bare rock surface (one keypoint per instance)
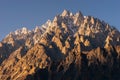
(69, 47)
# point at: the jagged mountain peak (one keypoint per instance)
(68, 13)
(66, 23)
(23, 30)
(43, 27)
(65, 13)
(79, 14)
(70, 44)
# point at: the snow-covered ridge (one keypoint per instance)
(21, 31)
(67, 22)
(25, 30)
(45, 27)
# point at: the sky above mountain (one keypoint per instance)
(15, 14)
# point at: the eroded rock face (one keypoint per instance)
(71, 47)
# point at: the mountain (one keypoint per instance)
(69, 47)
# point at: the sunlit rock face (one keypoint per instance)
(69, 47)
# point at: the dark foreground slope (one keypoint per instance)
(71, 47)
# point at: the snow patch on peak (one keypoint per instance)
(78, 13)
(65, 13)
(43, 27)
(24, 30)
(47, 24)
(85, 16)
(36, 29)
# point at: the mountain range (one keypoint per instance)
(69, 47)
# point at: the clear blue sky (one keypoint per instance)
(15, 14)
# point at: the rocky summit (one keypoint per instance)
(69, 47)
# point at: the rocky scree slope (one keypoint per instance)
(70, 47)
